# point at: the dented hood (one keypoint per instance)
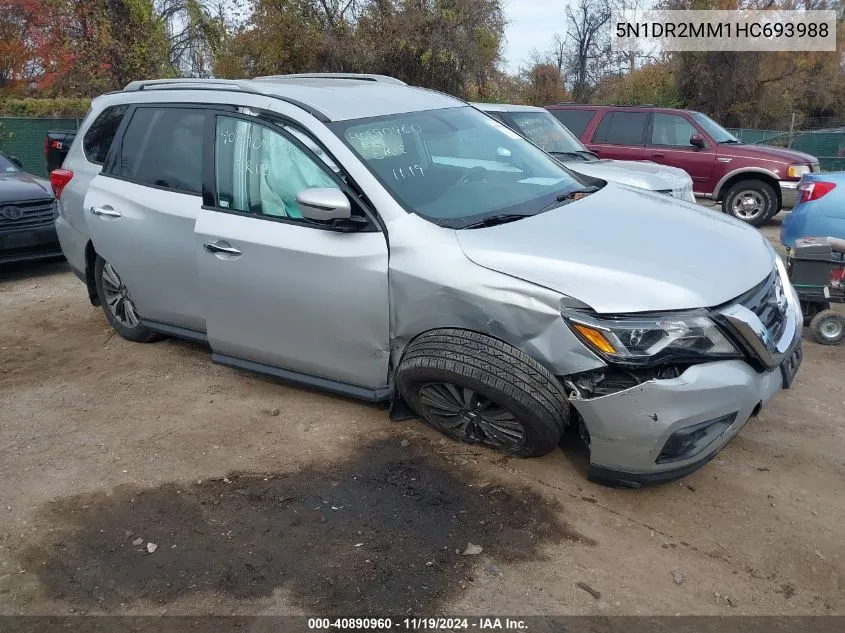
(623, 250)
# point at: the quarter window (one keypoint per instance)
(622, 128)
(576, 121)
(99, 137)
(162, 147)
(672, 130)
(258, 170)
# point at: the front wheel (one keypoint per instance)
(828, 327)
(752, 201)
(118, 305)
(480, 390)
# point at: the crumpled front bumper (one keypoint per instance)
(630, 430)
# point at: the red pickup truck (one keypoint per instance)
(753, 182)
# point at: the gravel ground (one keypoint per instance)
(142, 479)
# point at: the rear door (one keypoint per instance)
(669, 144)
(141, 209)
(621, 135)
(280, 291)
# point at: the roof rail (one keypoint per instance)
(184, 83)
(633, 105)
(383, 79)
(219, 84)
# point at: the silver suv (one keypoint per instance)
(394, 243)
(541, 128)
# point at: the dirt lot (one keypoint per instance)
(143, 479)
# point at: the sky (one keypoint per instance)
(532, 25)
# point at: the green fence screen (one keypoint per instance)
(24, 138)
(747, 135)
(826, 145)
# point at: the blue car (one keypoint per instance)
(820, 211)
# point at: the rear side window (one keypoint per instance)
(99, 137)
(622, 128)
(162, 147)
(576, 121)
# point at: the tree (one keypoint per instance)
(449, 45)
(587, 45)
(542, 83)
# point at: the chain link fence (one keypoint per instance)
(24, 138)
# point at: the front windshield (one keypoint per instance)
(545, 131)
(713, 129)
(457, 166)
(6, 166)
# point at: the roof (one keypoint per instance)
(506, 107)
(335, 97)
(593, 106)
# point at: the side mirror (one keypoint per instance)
(696, 140)
(324, 204)
(16, 162)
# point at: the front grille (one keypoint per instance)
(34, 213)
(762, 300)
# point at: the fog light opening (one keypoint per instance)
(691, 440)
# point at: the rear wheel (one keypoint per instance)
(752, 201)
(480, 390)
(828, 327)
(118, 305)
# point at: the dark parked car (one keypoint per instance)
(27, 215)
(753, 182)
(56, 145)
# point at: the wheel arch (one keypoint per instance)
(748, 173)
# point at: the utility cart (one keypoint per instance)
(816, 266)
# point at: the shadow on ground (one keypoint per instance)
(378, 534)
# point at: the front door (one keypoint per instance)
(669, 144)
(280, 290)
(140, 211)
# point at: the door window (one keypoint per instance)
(162, 147)
(622, 128)
(258, 170)
(671, 130)
(99, 137)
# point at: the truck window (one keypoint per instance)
(576, 121)
(622, 128)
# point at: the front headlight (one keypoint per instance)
(652, 339)
(796, 171)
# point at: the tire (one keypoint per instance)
(828, 327)
(752, 201)
(118, 306)
(480, 390)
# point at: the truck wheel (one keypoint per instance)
(118, 305)
(828, 327)
(752, 201)
(480, 390)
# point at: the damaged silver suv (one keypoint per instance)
(392, 243)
